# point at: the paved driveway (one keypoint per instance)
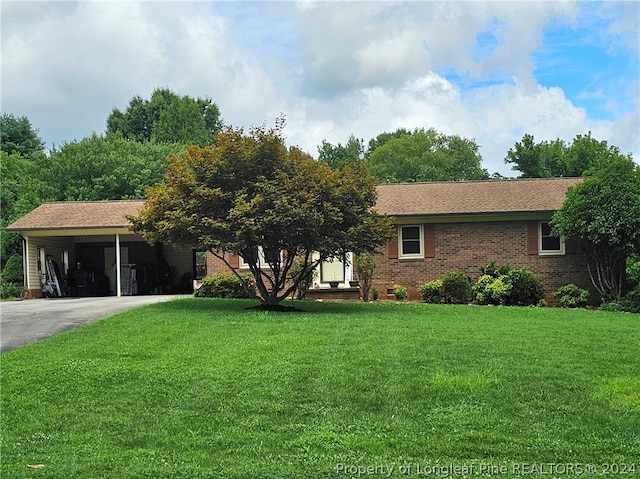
(28, 321)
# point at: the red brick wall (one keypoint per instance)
(214, 265)
(468, 246)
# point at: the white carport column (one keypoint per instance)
(118, 278)
(25, 263)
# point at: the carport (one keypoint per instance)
(95, 252)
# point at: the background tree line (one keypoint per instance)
(133, 153)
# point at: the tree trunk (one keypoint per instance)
(607, 270)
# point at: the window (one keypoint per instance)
(65, 262)
(260, 254)
(200, 264)
(411, 240)
(331, 271)
(262, 259)
(42, 260)
(548, 244)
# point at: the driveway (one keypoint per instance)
(28, 321)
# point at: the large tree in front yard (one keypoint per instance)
(251, 196)
(603, 214)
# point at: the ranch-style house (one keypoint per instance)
(440, 227)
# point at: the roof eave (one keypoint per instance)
(73, 230)
(472, 217)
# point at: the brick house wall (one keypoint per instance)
(468, 246)
(216, 265)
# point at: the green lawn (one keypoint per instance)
(200, 388)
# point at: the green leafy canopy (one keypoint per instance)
(603, 214)
(250, 193)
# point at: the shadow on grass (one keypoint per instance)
(253, 306)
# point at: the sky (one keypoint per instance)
(488, 71)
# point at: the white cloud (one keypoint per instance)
(333, 68)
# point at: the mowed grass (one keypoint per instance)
(200, 388)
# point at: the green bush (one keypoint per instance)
(431, 291)
(572, 296)
(526, 288)
(226, 285)
(494, 270)
(456, 287)
(12, 271)
(629, 304)
(518, 287)
(633, 272)
(11, 290)
(499, 291)
(375, 293)
(400, 292)
(11, 278)
(483, 292)
(365, 266)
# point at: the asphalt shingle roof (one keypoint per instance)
(397, 199)
(79, 214)
(473, 197)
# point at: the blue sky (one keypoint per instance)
(491, 71)
(597, 69)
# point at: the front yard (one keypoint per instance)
(200, 388)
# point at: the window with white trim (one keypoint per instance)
(42, 260)
(262, 260)
(548, 244)
(332, 270)
(65, 261)
(410, 241)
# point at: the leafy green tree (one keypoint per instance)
(585, 153)
(603, 214)
(106, 168)
(556, 158)
(365, 266)
(167, 118)
(537, 160)
(382, 138)
(22, 190)
(18, 136)
(251, 196)
(338, 155)
(426, 155)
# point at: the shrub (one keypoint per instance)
(629, 304)
(518, 287)
(375, 293)
(11, 290)
(226, 285)
(365, 265)
(526, 288)
(431, 291)
(11, 278)
(633, 272)
(493, 270)
(400, 292)
(456, 287)
(499, 291)
(12, 271)
(572, 296)
(482, 291)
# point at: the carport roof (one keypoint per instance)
(70, 215)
